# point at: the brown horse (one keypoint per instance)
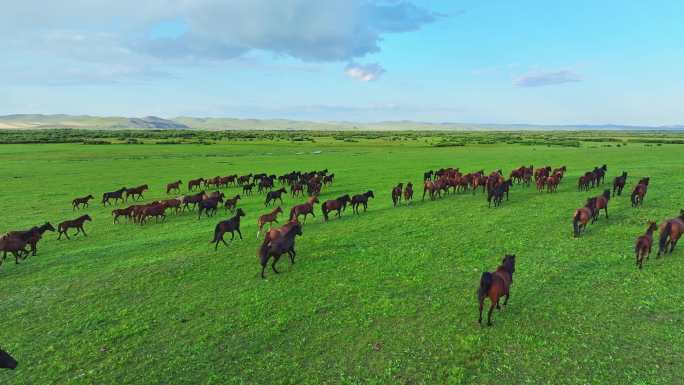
(304, 209)
(644, 244)
(174, 203)
(136, 192)
(174, 186)
(269, 218)
(271, 196)
(361, 199)
(582, 216)
(116, 195)
(209, 205)
(619, 183)
(247, 188)
(75, 224)
(670, 232)
(127, 212)
(396, 194)
(81, 202)
(601, 203)
(15, 244)
(408, 192)
(33, 235)
(338, 205)
(640, 192)
(496, 285)
(297, 189)
(278, 243)
(432, 188)
(157, 211)
(231, 225)
(195, 184)
(194, 199)
(231, 203)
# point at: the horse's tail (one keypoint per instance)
(663, 237)
(485, 284)
(634, 197)
(575, 222)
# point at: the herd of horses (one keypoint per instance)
(278, 241)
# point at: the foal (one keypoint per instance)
(81, 202)
(496, 285)
(76, 223)
(269, 218)
(231, 225)
(644, 244)
(232, 203)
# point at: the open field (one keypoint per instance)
(385, 297)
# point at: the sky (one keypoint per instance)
(478, 61)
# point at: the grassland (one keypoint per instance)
(386, 297)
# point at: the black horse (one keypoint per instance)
(619, 183)
(231, 225)
(361, 199)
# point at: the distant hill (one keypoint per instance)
(36, 121)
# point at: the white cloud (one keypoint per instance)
(364, 72)
(546, 78)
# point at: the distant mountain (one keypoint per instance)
(36, 121)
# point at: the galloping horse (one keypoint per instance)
(496, 285)
(195, 184)
(116, 195)
(640, 192)
(670, 232)
(304, 209)
(278, 243)
(271, 196)
(209, 205)
(582, 216)
(81, 202)
(408, 192)
(231, 203)
(361, 199)
(601, 203)
(127, 212)
(15, 244)
(33, 235)
(396, 194)
(619, 183)
(269, 218)
(174, 186)
(155, 210)
(136, 192)
(644, 244)
(232, 225)
(338, 205)
(76, 223)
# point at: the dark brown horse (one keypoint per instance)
(73, 224)
(361, 199)
(304, 209)
(408, 192)
(271, 196)
(278, 243)
(127, 212)
(14, 244)
(640, 192)
(81, 202)
(670, 232)
(247, 188)
(619, 183)
(269, 218)
(496, 285)
(582, 216)
(209, 205)
(231, 203)
(231, 225)
(173, 203)
(136, 192)
(174, 186)
(194, 199)
(7, 361)
(396, 194)
(644, 244)
(338, 205)
(33, 235)
(116, 195)
(601, 203)
(156, 210)
(195, 184)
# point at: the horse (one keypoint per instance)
(601, 203)
(428, 175)
(209, 205)
(194, 199)
(271, 196)
(75, 223)
(328, 179)
(174, 186)
(304, 208)
(639, 192)
(582, 216)
(552, 183)
(33, 235)
(297, 189)
(396, 194)
(338, 205)
(136, 192)
(195, 183)
(408, 192)
(496, 285)
(431, 188)
(619, 183)
(361, 199)
(81, 202)
(127, 212)
(279, 243)
(231, 225)
(244, 179)
(670, 232)
(231, 203)
(497, 192)
(174, 203)
(116, 195)
(155, 210)
(644, 244)
(269, 218)
(247, 188)
(15, 244)
(7, 361)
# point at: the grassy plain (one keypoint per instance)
(386, 297)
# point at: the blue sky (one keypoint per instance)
(359, 60)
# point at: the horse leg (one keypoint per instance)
(491, 308)
(239, 233)
(479, 320)
(83, 231)
(275, 260)
(222, 240)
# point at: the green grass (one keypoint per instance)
(387, 297)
